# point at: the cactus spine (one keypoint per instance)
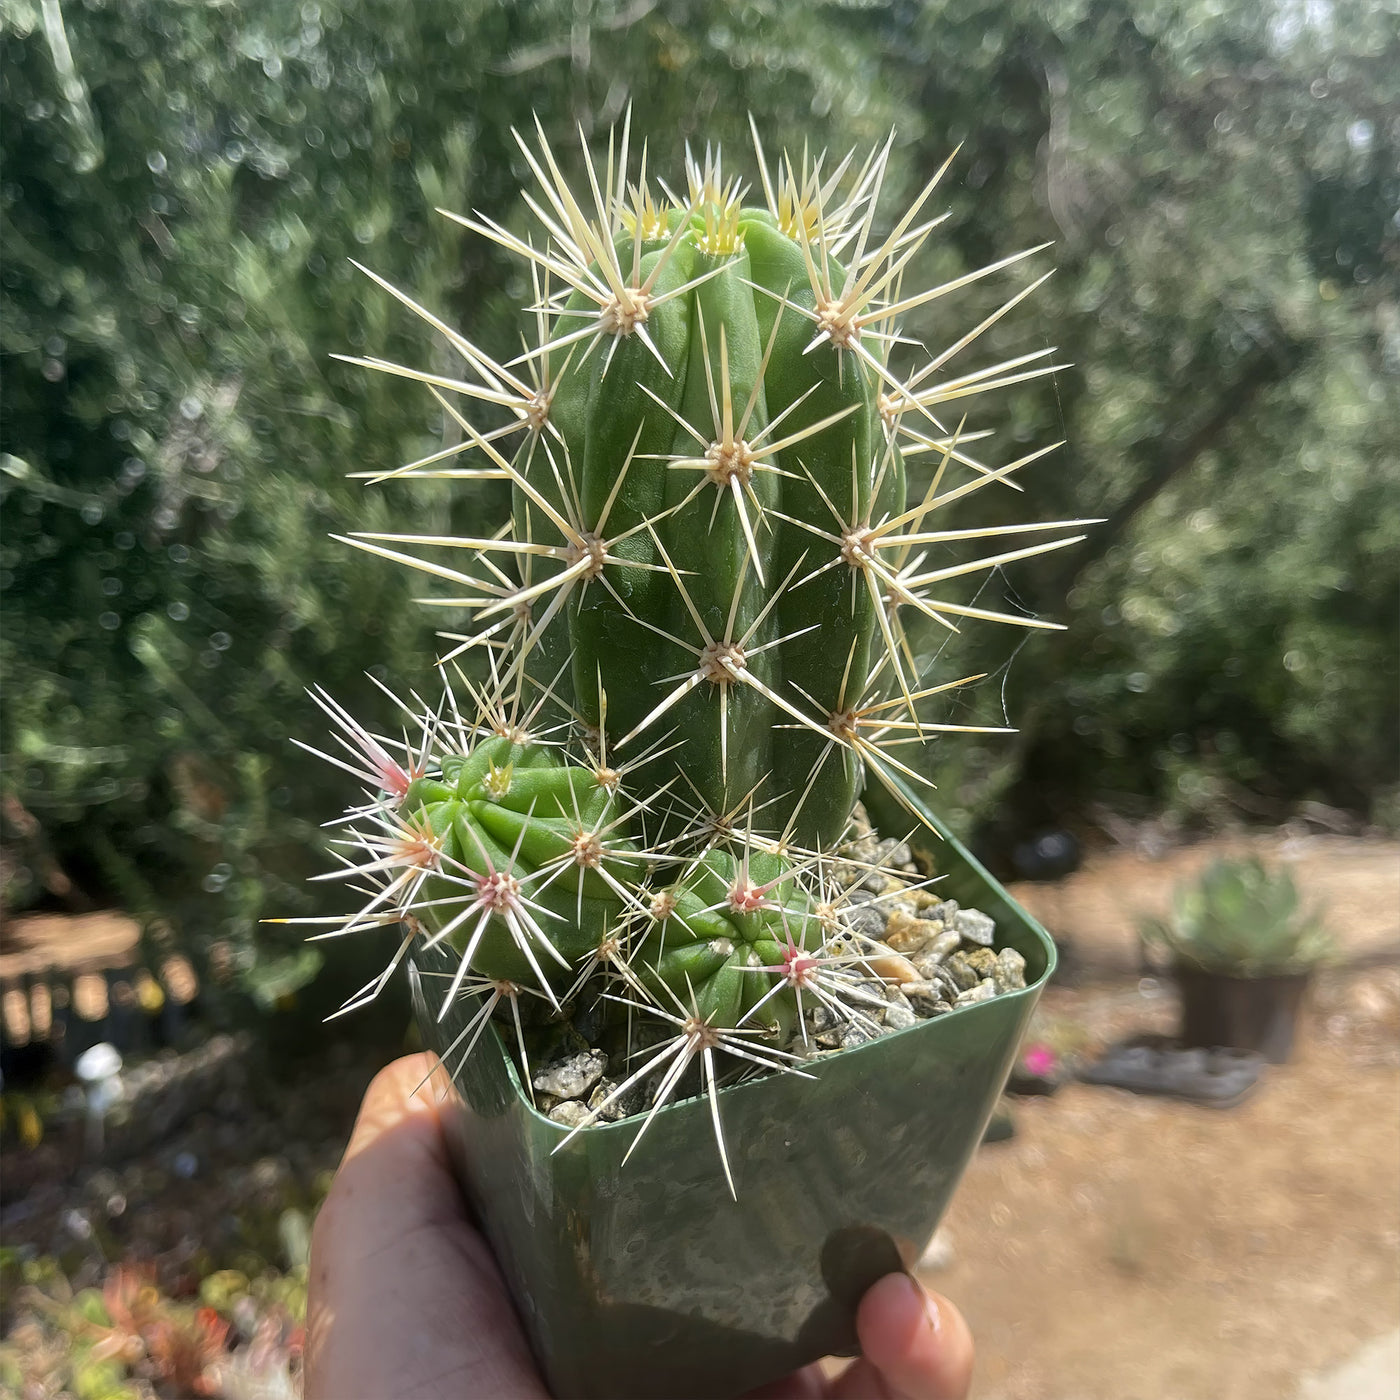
(705, 581)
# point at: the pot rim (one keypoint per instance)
(1186, 966)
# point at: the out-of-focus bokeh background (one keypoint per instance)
(184, 186)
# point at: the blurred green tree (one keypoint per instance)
(1223, 183)
(183, 188)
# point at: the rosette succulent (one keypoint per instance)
(1242, 919)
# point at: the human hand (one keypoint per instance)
(406, 1300)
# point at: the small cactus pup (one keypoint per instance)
(533, 867)
(690, 645)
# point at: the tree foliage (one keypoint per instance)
(184, 187)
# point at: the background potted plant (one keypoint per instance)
(1243, 953)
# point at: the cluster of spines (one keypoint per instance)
(516, 587)
(390, 853)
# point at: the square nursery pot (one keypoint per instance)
(1241, 1013)
(648, 1280)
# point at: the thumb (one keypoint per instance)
(915, 1346)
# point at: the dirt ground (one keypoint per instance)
(1127, 1248)
(1116, 1248)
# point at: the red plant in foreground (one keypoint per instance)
(184, 1350)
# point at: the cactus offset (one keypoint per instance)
(705, 579)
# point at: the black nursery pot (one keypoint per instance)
(648, 1280)
(1241, 1013)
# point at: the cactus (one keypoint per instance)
(705, 582)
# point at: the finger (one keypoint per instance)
(397, 1139)
(394, 1095)
(806, 1384)
(405, 1297)
(915, 1346)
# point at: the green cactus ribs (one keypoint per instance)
(527, 855)
(533, 867)
(710, 549)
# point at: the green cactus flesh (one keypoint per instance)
(720, 575)
(710, 555)
(688, 645)
(732, 928)
(495, 820)
(532, 870)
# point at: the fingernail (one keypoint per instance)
(921, 1299)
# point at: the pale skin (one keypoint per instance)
(406, 1302)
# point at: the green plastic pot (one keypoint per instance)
(648, 1280)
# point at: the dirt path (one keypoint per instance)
(1125, 1248)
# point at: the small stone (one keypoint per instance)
(899, 1018)
(985, 990)
(894, 997)
(947, 910)
(893, 967)
(1009, 974)
(941, 977)
(822, 1018)
(926, 899)
(571, 1113)
(926, 999)
(908, 934)
(851, 1035)
(942, 946)
(975, 926)
(623, 1107)
(926, 966)
(881, 883)
(963, 974)
(865, 918)
(982, 961)
(894, 854)
(869, 996)
(545, 1102)
(573, 1076)
(845, 874)
(861, 851)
